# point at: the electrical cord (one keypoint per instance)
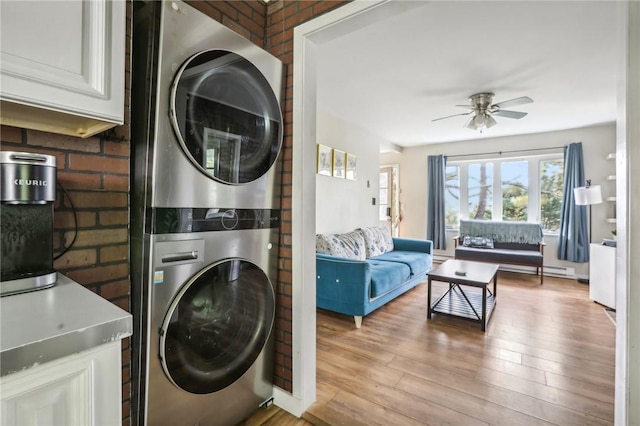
(75, 220)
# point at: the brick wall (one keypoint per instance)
(282, 17)
(270, 26)
(95, 174)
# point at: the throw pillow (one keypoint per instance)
(349, 245)
(477, 242)
(377, 240)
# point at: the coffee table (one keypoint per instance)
(474, 305)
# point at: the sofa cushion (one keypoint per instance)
(516, 246)
(377, 240)
(524, 257)
(349, 245)
(386, 276)
(416, 261)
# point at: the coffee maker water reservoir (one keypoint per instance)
(28, 192)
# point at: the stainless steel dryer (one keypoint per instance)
(211, 312)
(213, 112)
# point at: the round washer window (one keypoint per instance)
(226, 116)
(217, 326)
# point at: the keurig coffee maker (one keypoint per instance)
(28, 192)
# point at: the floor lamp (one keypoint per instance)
(587, 196)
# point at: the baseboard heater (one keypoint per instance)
(560, 271)
(557, 271)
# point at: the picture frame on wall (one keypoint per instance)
(339, 163)
(351, 166)
(325, 158)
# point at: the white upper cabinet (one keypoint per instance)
(62, 65)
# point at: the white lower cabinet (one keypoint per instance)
(602, 274)
(80, 389)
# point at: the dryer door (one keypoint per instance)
(226, 116)
(217, 326)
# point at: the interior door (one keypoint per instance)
(388, 199)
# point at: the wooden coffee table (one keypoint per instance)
(474, 305)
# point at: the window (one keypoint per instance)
(480, 191)
(551, 186)
(452, 197)
(526, 189)
(515, 190)
(383, 201)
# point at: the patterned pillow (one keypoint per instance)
(377, 240)
(350, 245)
(477, 242)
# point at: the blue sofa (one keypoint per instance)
(361, 280)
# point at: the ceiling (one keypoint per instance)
(395, 68)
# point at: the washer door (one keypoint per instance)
(226, 116)
(217, 326)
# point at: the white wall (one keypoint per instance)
(341, 204)
(597, 142)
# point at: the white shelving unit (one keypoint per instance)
(611, 211)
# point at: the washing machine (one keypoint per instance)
(211, 314)
(206, 136)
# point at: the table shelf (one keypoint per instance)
(453, 303)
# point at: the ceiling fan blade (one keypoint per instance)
(454, 115)
(508, 114)
(513, 102)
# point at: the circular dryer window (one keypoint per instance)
(226, 116)
(217, 326)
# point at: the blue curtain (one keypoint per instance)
(435, 203)
(573, 240)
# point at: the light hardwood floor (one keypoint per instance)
(547, 357)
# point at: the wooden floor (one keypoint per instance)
(547, 357)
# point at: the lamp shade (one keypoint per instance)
(587, 195)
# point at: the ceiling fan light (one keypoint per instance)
(471, 123)
(490, 121)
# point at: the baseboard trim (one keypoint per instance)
(288, 402)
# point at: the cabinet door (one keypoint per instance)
(63, 58)
(82, 389)
(602, 275)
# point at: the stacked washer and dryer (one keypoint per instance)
(206, 138)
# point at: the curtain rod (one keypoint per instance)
(506, 152)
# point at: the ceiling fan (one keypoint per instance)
(483, 110)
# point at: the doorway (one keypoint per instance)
(308, 36)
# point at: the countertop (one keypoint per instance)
(48, 324)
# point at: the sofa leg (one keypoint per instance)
(358, 320)
(541, 275)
